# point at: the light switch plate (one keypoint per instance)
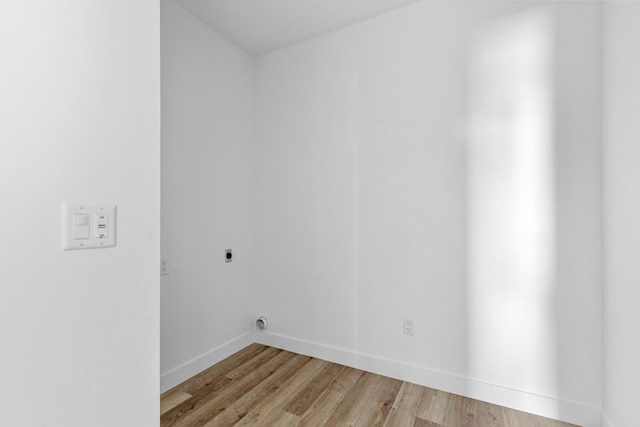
(101, 227)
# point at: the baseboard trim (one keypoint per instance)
(571, 412)
(606, 422)
(187, 370)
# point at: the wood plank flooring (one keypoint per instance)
(265, 386)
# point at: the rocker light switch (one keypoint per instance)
(81, 230)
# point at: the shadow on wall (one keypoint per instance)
(512, 319)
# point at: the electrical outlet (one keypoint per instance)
(164, 266)
(407, 326)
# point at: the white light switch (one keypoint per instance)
(82, 230)
(87, 226)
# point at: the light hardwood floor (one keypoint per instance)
(265, 386)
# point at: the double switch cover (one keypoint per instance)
(88, 226)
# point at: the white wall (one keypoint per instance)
(306, 190)
(364, 213)
(622, 209)
(206, 197)
(80, 108)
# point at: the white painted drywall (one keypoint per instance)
(206, 196)
(621, 83)
(306, 190)
(362, 208)
(80, 121)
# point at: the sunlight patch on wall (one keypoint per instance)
(511, 204)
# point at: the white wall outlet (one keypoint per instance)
(164, 266)
(407, 326)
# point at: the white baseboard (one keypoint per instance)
(185, 371)
(571, 412)
(606, 422)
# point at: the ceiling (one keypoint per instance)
(260, 26)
